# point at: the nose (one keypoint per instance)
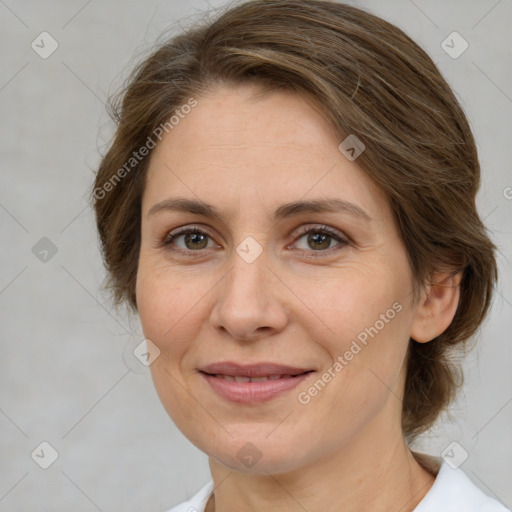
(250, 302)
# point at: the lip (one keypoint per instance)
(262, 369)
(253, 392)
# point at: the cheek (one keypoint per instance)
(173, 308)
(161, 305)
(362, 380)
(373, 327)
(367, 334)
(169, 320)
(351, 300)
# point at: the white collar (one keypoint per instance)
(453, 491)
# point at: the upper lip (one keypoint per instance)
(252, 370)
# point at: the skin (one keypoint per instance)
(247, 154)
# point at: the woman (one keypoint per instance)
(289, 206)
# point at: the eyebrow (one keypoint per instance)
(181, 204)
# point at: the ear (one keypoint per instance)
(436, 307)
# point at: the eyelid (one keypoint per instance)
(311, 227)
(186, 229)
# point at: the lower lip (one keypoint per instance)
(252, 392)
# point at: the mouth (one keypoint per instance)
(253, 383)
(233, 378)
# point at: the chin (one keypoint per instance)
(257, 462)
(255, 454)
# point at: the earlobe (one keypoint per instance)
(437, 306)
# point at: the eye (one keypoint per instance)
(319, 239)
(192, 239)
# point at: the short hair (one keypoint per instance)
(370, 80)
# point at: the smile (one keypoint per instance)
(249, 384)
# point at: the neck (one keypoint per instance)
(384, 476)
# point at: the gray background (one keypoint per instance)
(68, 376)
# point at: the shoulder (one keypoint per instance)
(197, 503)
(453, 491)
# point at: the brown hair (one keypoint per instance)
(370, 79)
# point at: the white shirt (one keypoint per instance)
(452, 491)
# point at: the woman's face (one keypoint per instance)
(252, 287)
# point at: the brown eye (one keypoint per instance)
(195, 240)
(189, 239)
(320, 239)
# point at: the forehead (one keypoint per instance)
(245, 116)
(243, 144)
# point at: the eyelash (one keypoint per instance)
(304, 230)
